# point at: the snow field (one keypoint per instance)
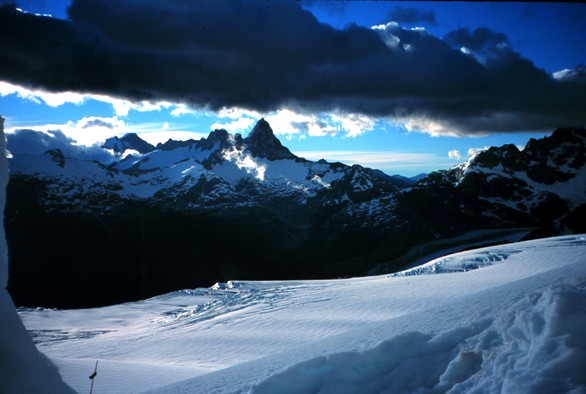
(538, 348)
(486, 329)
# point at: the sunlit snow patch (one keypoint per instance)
(245, 162)
(319, 180)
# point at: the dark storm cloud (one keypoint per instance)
(412, 15)
(480, 39)
(270, 55)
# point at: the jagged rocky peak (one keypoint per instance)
(555, 158)
(220, 137)
(128, 141)
(558, 157)
(172, 144)
(567, 134)
(261, 142)
(509, 156)
(564, 140)
(560, 137)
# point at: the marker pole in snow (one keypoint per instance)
(93, 376)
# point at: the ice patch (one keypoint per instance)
(450, 264)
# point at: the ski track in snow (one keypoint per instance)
(496, 320)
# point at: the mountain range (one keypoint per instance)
(129, 220)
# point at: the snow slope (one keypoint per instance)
(501, 319)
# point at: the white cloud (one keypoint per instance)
(354, 124)
(385, 30)
(320, 129)
(182, 109)
(86, 131)
(240, 119)
(473, 151)
(236, 113)
(130, 152)
(454, 154)
(427, 126)
(577, 74)
(237, 125)
(288, 122)
(121, 107)
(387, 26)
(39, 96)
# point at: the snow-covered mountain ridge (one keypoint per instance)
(185, 175)
(192, 213)
(550, 165)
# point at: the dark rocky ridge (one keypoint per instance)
(261, 142)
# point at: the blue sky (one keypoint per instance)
(547, 37)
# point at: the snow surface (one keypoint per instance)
(505, 319)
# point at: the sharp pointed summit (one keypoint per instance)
(261, 142)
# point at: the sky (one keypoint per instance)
(405, 87)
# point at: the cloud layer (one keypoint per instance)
(266, 56)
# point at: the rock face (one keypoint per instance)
(192, 213)
(262, 143)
